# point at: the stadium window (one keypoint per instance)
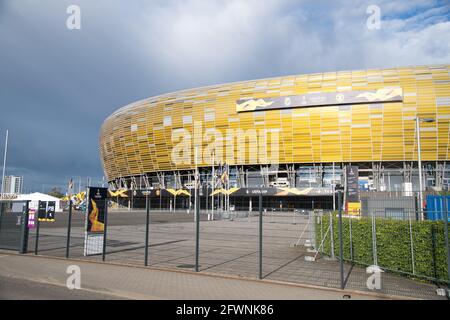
(167, 121)
(187, 120)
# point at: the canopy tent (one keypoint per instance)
(34, 199)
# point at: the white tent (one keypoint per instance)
(34, 199)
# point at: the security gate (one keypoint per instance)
(13, 225)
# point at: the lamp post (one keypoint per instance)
(419, 160)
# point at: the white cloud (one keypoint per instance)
(216, 41)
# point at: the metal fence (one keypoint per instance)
(299, 246)
(13, 225)
(393, 241)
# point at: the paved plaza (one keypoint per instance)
(30, 277)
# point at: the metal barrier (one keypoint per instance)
(14, 225)
(396, 244)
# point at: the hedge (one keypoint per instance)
(393, 244)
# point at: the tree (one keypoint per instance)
(56, 192)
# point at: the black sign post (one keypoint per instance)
(197, 232)
(24, 229)
(42, 210)
(36, 242)
(69, 226)
(260, 236)
(41, 215)
(147, 223)
(105, 223)
(341, 250)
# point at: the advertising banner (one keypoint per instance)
(352, 184)
(320, 99)
(51, 210)
(31, 218)
(96, 207)
(95, 220)
(353, 204)
(42, 210)
(354, 208)
(46, 211)
(234, 192)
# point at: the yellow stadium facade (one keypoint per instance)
(298, 131)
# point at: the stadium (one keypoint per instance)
(293, 136)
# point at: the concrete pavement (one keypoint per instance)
(108, 281)
(24, 289)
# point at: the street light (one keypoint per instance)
(418, 120)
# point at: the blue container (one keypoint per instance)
(435, 207)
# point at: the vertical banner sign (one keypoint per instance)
(353, 201)
(96, 207)
(42, 210)
(51, 210)
(31, 218)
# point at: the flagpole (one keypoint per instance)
(4, 162)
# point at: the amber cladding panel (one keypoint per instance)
(137, 138)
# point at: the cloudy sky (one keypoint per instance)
(58, 85)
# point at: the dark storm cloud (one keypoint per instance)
(58, 85)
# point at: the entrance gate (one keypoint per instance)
(14, 225)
